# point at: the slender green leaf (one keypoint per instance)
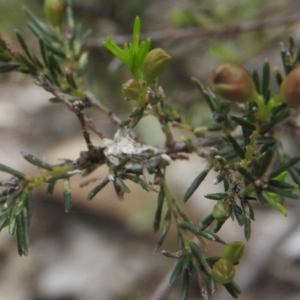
(4, 218)
(207, 221)
(32, 67)
(238, 212)
(86, 35)
(235, 145)
(247, 215)
(71, 81)
(265, 161)
(278, 206)
(177, 270)
(22, 232)
(283, 185)
(67, 195)
(295, 175)
(55, 49)
(198, 254)
(29, 207)
(196, 182)
(235, 287)
(199, 231)
(24, 45)
(97, 189)
(263, 140)
(244, 123)
(247, 176)
(255, 78)
(266, 80)
(185, 285)
(211, 101)
(121, 184)
(157, 217)
(44, 52)
(50, 188)
(35, 21)
(231, 291)
(12, 225)
(281, 192)
(5, 57)
(165, 229)
(220, 177)
(218, 225)
(137, 179)
(8, 68)
(69, 16)
(262, 197)
(11, 171)
(284, 167)
(216, 196)
(35, 161)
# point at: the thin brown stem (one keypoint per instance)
(78, 108)
(189, 33)
(75, 106)
(93, 101)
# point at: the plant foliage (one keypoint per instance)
(247, 157)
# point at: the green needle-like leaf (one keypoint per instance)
(11, 171)
(235, 145)
(116, 51)
(8, 68)
(216, 196)
(35, 21)
(177, 270)
(157, 217)
(97, 189)
(278, 206)
(196, 182)
(164, 231)
(136, 34)
(247, 215)
(244, 123)
(121, 184)
(285, 166)
(67, 195)
(266, 81)
(255, 78)
(35, 161)
(185, 285)
(198, 254)
(206, 221)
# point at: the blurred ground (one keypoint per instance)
(103, 249)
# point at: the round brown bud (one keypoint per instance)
(233, 83)
(155, 63)
(290, 88)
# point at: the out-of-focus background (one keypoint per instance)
(103, 249)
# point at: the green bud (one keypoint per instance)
(221, 211)
(233, 83)
(155, 63)
(54, 11)
(290, 88)
(223, 271)
(233, 252)
(132, 89)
